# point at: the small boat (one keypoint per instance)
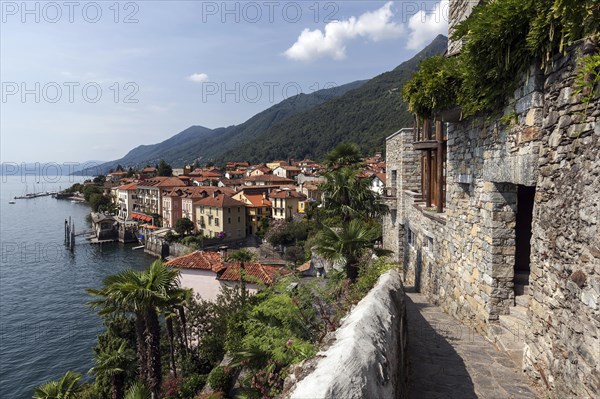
(12, 202)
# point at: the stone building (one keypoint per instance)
(498, 224)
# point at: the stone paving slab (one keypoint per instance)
(451, 360)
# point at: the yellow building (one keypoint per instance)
(285, 203)
(258, 207)
(220, 216)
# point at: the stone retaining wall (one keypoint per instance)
(367, 358)
(553, 143)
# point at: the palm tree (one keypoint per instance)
(138, 391)
(65, 387)
(114, 364)
(347, 196)
(344, 246)
(143, 294)
(344, 154)
(242, 256)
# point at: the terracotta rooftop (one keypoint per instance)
(257, 200)
(286, 194)
(304, 267)
(268, 178)
(254, 271)
(162, 181)
(199, 260)
(218, 201)
(128, 187)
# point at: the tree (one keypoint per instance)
(120, 168)
(99, 180)
(242, 256)
(143, 294)
(164, 169)
(138, 391)
(184, 226)
(100, 203)
(344, 246)
(347, 196)
(65, 387)
(113, 363)
(344, 154)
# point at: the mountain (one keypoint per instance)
(306, 125)
(366, 116)
(198, 142)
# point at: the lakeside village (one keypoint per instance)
(238, 294)
(469, 260)
(171, 211)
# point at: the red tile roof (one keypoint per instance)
(162, 181)
(286, 194)
(128, 187)
(257, 200)
(199, 260)
(268, 178)
(219, 201)
(304, 267)
(254, 271)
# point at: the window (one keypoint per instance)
(410, 237)
(394, 214)
(394, 178)
(228, 210)
(216, 221)
(429, 243)
(239, 209)
(229, 220)
(239, 219)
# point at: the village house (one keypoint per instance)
(378, 182)
(273, 164)
(148, 173)
(264, 180)
(124, 197)
(149, 194)
(258, 170)
(220, 216)
(172, 206)
(235, 174)
(205, 273)
(192, 193)
(497, 223)
(258, 206)
(289, 172)
(116, 176)
(285, 203)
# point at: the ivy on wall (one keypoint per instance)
(501, 40)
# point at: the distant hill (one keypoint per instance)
(365, 116)
(198, 142)
(307, 125)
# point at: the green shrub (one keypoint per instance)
(191, 385)
(368, 276)
(218, 379)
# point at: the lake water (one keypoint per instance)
(45, 327)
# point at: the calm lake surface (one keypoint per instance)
(45, 327)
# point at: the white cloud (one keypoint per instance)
(374, 25)
(424, 27)
(198, 77)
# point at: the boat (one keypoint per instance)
(12, 202)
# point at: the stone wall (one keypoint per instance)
(458, 11)
(552, 144)
(367, 358)
(563, 346)
(403, 173)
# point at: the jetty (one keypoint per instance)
(36, 195)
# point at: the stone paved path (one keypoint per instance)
(451, 360)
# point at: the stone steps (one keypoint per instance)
(521, 289)
(509, 334)
(522, 300)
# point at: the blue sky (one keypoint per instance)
(91, 80)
